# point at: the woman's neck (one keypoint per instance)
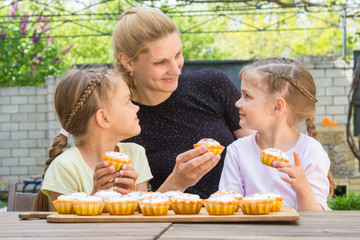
(150, 97)
(281, 138)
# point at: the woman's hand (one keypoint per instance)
(305, 198)
(125, 183)
(103, 175)
(190, 167)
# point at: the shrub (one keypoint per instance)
(28, 53)
(349, 201)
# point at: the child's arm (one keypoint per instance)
(142, 187)
(297, 179)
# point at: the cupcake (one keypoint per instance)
(116, 159)
(122, 205)
(272, 154)
(186, 203)
(221, 205)
(256, 204)
(212, 145)
(138, 195)
(105, 195)
(155, 205)
(89, 206)
(278, 201)
(64, 203)
(230, 193)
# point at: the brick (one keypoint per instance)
(41, 161)
(42, 126)
(299, 58)
(335, 73)
(341, 100)
(341, 64)
(27, 90)
(4, 100)
(37, 116)
(342, 81)
(19, 135)
(42, 108)
(335, 91)
(10, 144)
(49, 81)
(4, 118)
(340, 119)
(306, 59)
(34, 170)
(309, 65)
(36, 99)
(324, 100)
(320, 110)
(27, 125)
(19, 170)
(12, 178)
(4, 135)
(28, 143)
(324, 64)
(27, 161)
(323, 82)
(41, 91)
(319, 117)
(320, 91)
(317, 73)
(37, 152)
(5, 153)
(335, 109)
(9, 91)
(10, 162)
(20, 152)
(54, 125)
(19, 117)
(18, 100)
(27, 108)
(4, 170)
(43, 143)
(36, 134)
(10, 109)
(10, 126)
(348, 72)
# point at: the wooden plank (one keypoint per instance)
(286, 214)
(40, 215)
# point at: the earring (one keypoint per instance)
(131, 74)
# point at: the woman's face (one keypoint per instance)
(158, 69)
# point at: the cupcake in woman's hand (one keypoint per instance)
(256, 204)
(272, 154)
(89, 205)
(211, 144)
(221, 205)
(122, 205)
(186, 203)
(155, 205)
(116, 159)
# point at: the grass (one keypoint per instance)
(3, 204)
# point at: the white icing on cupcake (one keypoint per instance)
(257, 196)
(106, 194)
(67, 197)
(173, 193)
(277, 153)
(122, 198)
(222, 198)
(186, 197)
(208, 141)
(117, 155)
(155, 198)
(89, 199)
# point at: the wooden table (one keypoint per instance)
(312, 225)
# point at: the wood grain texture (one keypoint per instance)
(286, 214)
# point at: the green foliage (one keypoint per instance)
(350, 201)
(27, 52)
(3, 204)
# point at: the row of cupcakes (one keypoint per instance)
(158, 204)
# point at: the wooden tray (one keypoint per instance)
(286, 214)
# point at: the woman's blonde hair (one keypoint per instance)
(136, 27)
(78, 96)
(294, 81)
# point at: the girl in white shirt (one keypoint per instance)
(278, 94)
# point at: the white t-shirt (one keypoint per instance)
(70, 173)
(245, 173)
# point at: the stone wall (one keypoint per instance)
(28, 122)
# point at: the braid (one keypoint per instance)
(311, 129)
(294, 83)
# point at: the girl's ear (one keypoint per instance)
(102, 119)
(279, 106)
(126, 61)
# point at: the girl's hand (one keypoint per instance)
(296, 175)
(190, 167)
(125, 182)
(103, 175)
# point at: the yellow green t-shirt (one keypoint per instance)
(70, 173)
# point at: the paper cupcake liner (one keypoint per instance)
(88, 208)
(256, 207)
(186, 207)
(221, 208)
(117, 163)
(215, 149)
(158, 209)
(64, 206)
(267, 159)
(122, 208)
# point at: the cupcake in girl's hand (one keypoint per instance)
(212, 145)
(64, 203)
(89, 205)
(186, 203)
(272, 154)
(155, 205)
(116, 159)
(122, 205)
(256, 204)
(221, 205)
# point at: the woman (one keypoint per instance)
(176, 110)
